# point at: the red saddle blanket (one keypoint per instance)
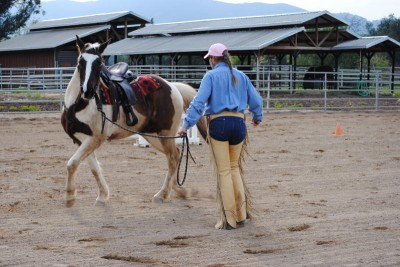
(143, 86)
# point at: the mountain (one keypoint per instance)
(357, 23)
(164, 10)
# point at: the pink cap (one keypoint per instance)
(216, 50)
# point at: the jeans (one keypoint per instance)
(228, 128)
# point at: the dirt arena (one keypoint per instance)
(322, 200)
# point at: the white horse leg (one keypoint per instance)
(84, 150)
(172, 154)
(104, 192)
(165, 190)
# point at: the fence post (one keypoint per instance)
(268, 89)
(325, 93)
(60, 87)
(291, 80)
(376, 93)
(28, 75)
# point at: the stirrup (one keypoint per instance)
(131, 118)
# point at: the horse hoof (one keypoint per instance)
(100, 203)
(70, 203)
(183, 193)
(157, 200)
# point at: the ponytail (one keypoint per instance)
(227, 59)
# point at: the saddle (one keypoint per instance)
(117, 91)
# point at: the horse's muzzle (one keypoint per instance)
(88, 94)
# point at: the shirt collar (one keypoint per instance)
(220, 64)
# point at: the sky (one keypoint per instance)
(369, 9)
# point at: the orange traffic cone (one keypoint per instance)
(338, 131)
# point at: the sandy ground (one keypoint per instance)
(322, 200)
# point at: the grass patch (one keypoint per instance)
(282, 105)
(30, 108)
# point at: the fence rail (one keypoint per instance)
(281, 86)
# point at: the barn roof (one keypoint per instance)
(50, 34)
(306, 19)
(48, 39)
(96, 19)
(376, 42)
(235, 41)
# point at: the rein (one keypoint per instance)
(185, 139)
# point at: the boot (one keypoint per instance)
(131, 118)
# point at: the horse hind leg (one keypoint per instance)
(95, 167)
(172, 155)
(166, 146)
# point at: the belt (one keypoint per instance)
(226, 113)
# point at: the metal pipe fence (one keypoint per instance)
(23, 89)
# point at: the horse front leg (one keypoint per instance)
(84, 150)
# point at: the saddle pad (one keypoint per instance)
(144, 85)
(105, 94)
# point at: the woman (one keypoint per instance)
(223, 97)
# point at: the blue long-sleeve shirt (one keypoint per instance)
(217, 93)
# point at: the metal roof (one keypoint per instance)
(367, 43)
(96, 19)
(325, 19)
(235, 41)
(48, 39)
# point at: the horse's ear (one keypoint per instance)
(79, 43)
(103, 46)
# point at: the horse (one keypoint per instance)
(84, 120)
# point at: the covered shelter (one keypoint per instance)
(250, 39)
(315, 32)
(367, 47)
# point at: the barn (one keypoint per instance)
(51, 43)
(250, 38)
(139, 42)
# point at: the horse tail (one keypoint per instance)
(188, 93)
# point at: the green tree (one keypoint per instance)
(14, 14)
(389, 26)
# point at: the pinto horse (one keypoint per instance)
(160, 114)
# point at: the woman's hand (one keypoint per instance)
(255, 123)
(182, 132)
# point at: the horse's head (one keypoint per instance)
(89, 66)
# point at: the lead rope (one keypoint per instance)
(185, 139)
